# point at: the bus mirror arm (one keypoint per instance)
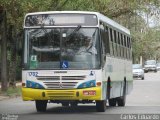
(103, 59)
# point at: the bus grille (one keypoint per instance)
(60, 93)
(60, 82)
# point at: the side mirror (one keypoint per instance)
(103, 60)
(104, 57)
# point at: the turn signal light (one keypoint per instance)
(23, 84)
(98, 83)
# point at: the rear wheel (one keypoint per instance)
(112, 102)
(121, 101)
(101, 106)
(41, 105)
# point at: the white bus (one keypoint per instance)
(73, 57)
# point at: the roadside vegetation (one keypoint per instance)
(11, 92)
(140, 16)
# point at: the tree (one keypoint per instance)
(3, 51)
(126, 12)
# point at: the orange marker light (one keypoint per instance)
(23, 84)
(98, 83)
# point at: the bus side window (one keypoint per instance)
(125, 46)
(107, 40)
(131, 48)
(111, 42)
(129, 43)
(128, 49)
(114, 43)
(123, 39)
(118, 45)
(122, 46)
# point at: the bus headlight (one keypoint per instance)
(92, 84)
(88, 84)
(31, 84)
(84, 85)
(36, 85)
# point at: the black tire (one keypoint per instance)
(112, 102)
(101, 106)
(41, 105)
(74, 104)
(142, 78)
(121, 101)
(65, 104)
(108, 88)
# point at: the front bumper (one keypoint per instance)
(137, 75)
(150, 69)
(29, 94)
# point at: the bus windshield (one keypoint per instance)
(49, 48)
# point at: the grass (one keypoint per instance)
(11, 92)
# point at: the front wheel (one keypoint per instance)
(101, 106)
(74, 104)
(145, 71)
(41, 105)
(65, 104)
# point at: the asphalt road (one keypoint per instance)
(144, 99)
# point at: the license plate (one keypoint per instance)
(92, 92)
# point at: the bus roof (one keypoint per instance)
(99, 16)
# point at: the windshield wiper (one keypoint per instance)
(48, 35)
(75, 30)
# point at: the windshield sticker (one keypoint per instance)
(33, 62)
(91, 73)
(64, 64)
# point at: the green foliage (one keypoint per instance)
(11, 92)
(126, 12)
